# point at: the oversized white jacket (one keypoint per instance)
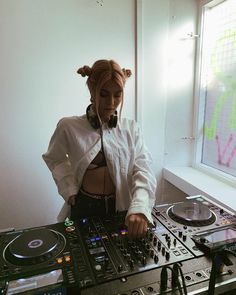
(75, 144)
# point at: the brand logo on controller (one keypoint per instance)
(35, 243)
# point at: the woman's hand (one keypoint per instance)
(71, 200)
(137, 225)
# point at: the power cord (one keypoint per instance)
(218, 260)
(177, 266)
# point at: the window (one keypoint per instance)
(216, 147)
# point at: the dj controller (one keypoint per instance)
(96, 256)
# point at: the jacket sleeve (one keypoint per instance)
(143, 179)
(57, 160)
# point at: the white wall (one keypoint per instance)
(167, 58)
(43, 42)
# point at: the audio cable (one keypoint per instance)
(217, 263)
(175, 283)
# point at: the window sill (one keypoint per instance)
(194, 182)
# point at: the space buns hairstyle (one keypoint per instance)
(102, 71)
(85, 71)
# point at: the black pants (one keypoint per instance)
(86, 207)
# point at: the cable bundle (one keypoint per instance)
(175, 283)
(218, 258)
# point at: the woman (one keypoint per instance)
(99, 162)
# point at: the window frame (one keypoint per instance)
(199, 102)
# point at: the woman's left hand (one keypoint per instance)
(137, 225)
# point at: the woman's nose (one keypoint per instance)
(111, 100)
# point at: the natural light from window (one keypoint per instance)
(218, 86)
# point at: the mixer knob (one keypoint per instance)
(144, 260)
(163, 250)
(120, 268)
(167, 237)
(106, 262)
(98, 267)
(202, 240)
(221, 211)
(185, 227)
(143, 241)
(119, 243)
(130, 243)
(156, 259)
(147, 247)
(159, 245)
(131, 263)
(121, 248)
(140, 253)
(174, 242)
(128, 256)
(167, 255)
(168, 243)
(152, 253)
(133, 247)
(180, 234)
(184, 238)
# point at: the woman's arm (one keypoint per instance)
(143, 188)
(57, 160)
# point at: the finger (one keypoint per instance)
(143, 229)
(133, 230)
(140, 229)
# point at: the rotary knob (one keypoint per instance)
(167, 255)
(151, 253)
(131, 263)
(163, 250)
(144, 260)
(156, 259)
(119, 268)
(174, 242)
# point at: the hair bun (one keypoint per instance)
(127, 73)
(85, 71)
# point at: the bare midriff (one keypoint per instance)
(98, 181)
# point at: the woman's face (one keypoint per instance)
(110, 97)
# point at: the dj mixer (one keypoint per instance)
(96, 256)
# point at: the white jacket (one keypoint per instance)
(75, 144)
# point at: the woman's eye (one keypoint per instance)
(103, 94)
(118, 94)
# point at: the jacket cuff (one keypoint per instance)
(70, 192)
(141, 204)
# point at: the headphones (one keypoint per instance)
(94, 121)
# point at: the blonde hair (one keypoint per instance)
(102, 71)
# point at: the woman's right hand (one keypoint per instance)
(71, 200)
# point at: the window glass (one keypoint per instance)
(218, 86)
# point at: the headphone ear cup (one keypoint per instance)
(92, 117)
(113, 121)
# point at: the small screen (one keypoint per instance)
(35, 282)
(221, 235)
